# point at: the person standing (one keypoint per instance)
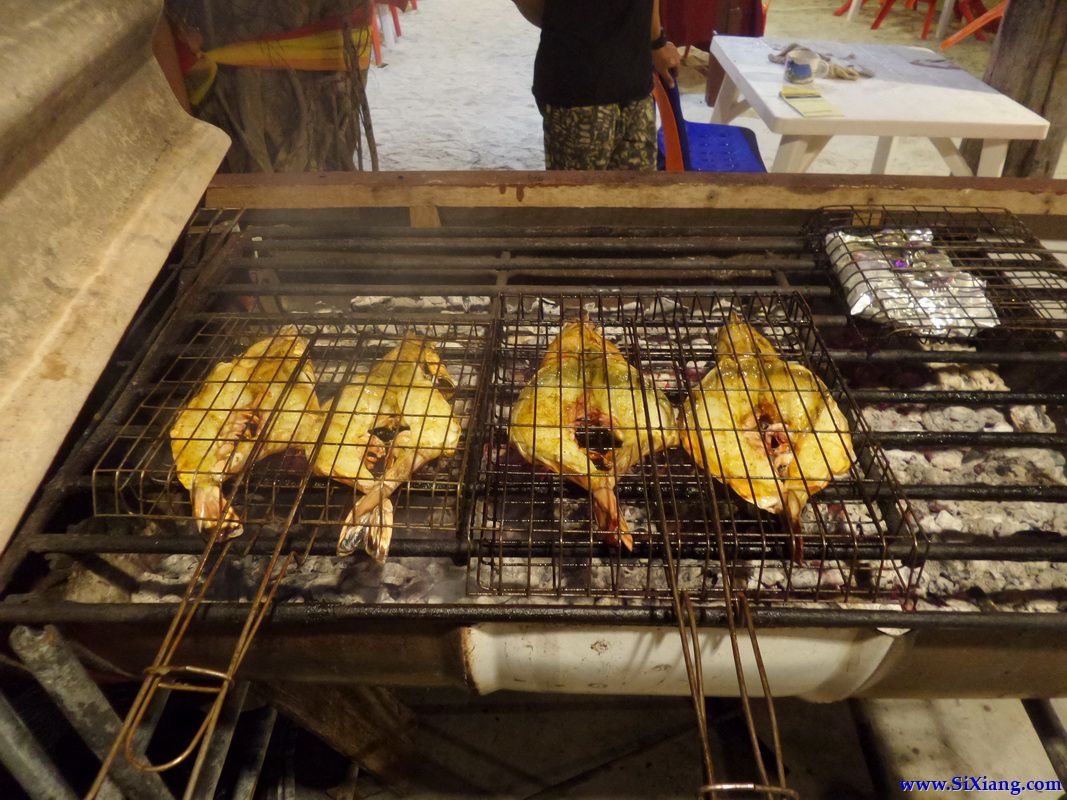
(593, 80)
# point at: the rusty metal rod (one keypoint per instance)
(256, 225)
(921, 439)
(1043, 546)
(949, 356)
(410, 290)
(920, 396)
(285, 615)
(535, 243)
(457, 265)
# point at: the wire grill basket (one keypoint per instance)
(979, 272)
(533, 533)
(277, 429)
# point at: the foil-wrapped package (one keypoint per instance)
(897, 277)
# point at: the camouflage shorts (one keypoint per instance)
(601, 137)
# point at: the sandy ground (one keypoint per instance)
(455, 91)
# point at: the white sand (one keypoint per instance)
(455, 93)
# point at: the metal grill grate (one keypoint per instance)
(288, 423)
(973, 429)
(1020, 287)
(533, 533)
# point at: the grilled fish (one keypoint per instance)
(260, 404)
(414, 425)
(585, 382)
(766, 427)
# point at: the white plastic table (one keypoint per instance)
(914, 92)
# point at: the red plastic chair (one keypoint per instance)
(675, 162)
(887, 6)
(375, 35)
(376, 31)
(975, 26)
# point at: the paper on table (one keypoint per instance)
(809, 102)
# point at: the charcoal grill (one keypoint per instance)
(491, 293)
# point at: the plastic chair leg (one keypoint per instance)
(992, 14)
(396, 19)
(375, 35)
(971, 10)
(887, 6)
(930, 9)
(844, 9)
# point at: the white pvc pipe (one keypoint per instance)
(816, 664)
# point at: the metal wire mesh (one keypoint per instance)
(266, 414)
(535, 533)
(994, 272)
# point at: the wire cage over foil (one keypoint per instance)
(276, 413)
(943, 272)
(533, 533)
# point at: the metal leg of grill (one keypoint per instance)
(1049, 728)
(58, 670)
(248, 777)
(215, 755)
(143, 735)
(27, 761)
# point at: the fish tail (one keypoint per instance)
(213, 512)
(794, 507)
(608, 518)
(369, 525)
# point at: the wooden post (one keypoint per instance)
(1029, 64)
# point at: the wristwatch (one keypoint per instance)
(660, 40)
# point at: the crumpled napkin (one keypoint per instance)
(840, 72)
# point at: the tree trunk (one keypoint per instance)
(282, 120)
(1029, 64)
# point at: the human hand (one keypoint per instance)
(665, 61)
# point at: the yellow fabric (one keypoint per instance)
(319, 52)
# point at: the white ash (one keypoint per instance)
(945, 580)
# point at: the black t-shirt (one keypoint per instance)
(594, 52)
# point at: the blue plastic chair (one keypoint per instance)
(704, 146)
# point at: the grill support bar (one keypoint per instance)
(27, 761)
(226, 614)
(67, 682)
